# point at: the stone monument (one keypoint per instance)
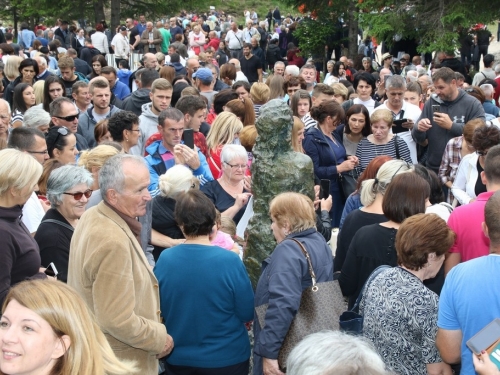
(276, 168)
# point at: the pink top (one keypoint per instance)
(466, 221)
(223, 240)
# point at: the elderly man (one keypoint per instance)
(109, 270)
(43, 71)
(234, 40)
(308, 72)
(151, 38)
(120, 44)
(31, 141)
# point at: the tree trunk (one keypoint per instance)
(353, 29)
(115, 16)
(98, 11)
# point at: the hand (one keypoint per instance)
(242, 199)
(354, 158)
(169, 345)
(483, 364)
(247, 183)
(184, 155)
(443, 120)
(317, 189)
(347, 165)
(326, 204)
(424, 125)
(408, 124)
(270, 367)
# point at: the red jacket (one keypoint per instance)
(214, 43)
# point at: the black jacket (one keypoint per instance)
(135, 101)
(164, 221)
(273, 55)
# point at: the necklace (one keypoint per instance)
(383, 149)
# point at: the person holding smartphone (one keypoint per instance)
(439, 125)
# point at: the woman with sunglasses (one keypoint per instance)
(68, 191)
(228, 193)
(24, 99)
(61, 145)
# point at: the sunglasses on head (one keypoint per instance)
(78, 195)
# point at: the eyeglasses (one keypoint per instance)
(135, 130)
(38, 152)
(482, 153)
(406, 164)
(68, 118)
(237, 166)
(78, 195)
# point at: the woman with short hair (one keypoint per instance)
(206, 324)
(382, 141)
(65, 338)
(124, 128)
(406, 341)
(28, 71)
(228, 192)
(364, 85)
(373, 245)
(285, 274)
(68, 191)
(61, 145)
(19, 252)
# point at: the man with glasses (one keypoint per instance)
(170, 150)
(102, 109)
(63, 112)
(31, 141)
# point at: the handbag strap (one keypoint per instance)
(58, 223)
(306, 254)
(372, 276)
(396, 146)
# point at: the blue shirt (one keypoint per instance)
(26, 38)
(121, 90)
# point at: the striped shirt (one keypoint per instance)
(308, 121)
(367, 151)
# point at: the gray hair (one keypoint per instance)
(7, 104)
(177, 179)
(371, 187)
(293, 70)
(63, 179)
(334, 352)
(412, 75)
(36, 116)
(487, 89)
(111, 175)
(279, 63)
(395, 82)
(230, 152)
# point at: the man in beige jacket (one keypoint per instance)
(151, 38)
(108, 268)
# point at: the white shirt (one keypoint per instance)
(33, 213)
(234, 39)
(121, 46)
(248, 34)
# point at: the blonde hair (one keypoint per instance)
(67, 314)
(38, 89)
(298, 125)
(340, 89)
(382, 115)
(223, 130)
(96, 157)
(276, 87)
(177, 179)
(11, 69)
(371, 187)
(260, 93)
(294, 209)
(18, 170)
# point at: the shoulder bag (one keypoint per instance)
(320, 307)
(54, 221)
(351, 321)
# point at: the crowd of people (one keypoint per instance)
(121, 190)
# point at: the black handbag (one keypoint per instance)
(320, 307)
(351, 321)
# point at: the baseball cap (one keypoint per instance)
(203, 74)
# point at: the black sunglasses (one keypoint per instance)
(79, 194)
(69, 118)
(61, 130)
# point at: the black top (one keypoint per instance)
(164, 221)
(250, 66)
(372, 246)
(19, 254)
(479, 187)
(221, 199)
(54, 241)
(353, 222)
(134, 31)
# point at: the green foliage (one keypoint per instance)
(313, 35)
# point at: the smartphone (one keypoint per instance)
(51, 270)
(398, 126)
(485, 338)
(188, 138)
(436, 108)
(324, 189)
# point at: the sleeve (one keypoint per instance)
(285, 290)
(418, 135)
(208, 190)
(447, 318)
(51, 249)
(445, 162)
(158, 40)
(203, 172)
(115, 310)
(404, 151)
(311, 149)
(144, 37)
(428, 326)
(460, 184)
(153, 175)
(6, 263)
(324, 225)
(348, 280)
(243, 292)
(350, 205)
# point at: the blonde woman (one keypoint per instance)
(225, 129)
(197, 40)
(276, 87)
(11, 70)
(259, 93)
(38, 88)
(298, 130)
(93, 160)
(55, 331)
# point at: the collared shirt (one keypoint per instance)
(449, 165)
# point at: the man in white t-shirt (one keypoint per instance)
(395, 87)
(234, 40)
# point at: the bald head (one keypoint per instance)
(343, 59)
(236, 63)
(149, 26)
(150, 60)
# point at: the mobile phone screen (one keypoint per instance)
(188, 138)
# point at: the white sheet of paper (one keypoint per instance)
(243, 223)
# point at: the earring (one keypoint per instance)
(126, 139)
